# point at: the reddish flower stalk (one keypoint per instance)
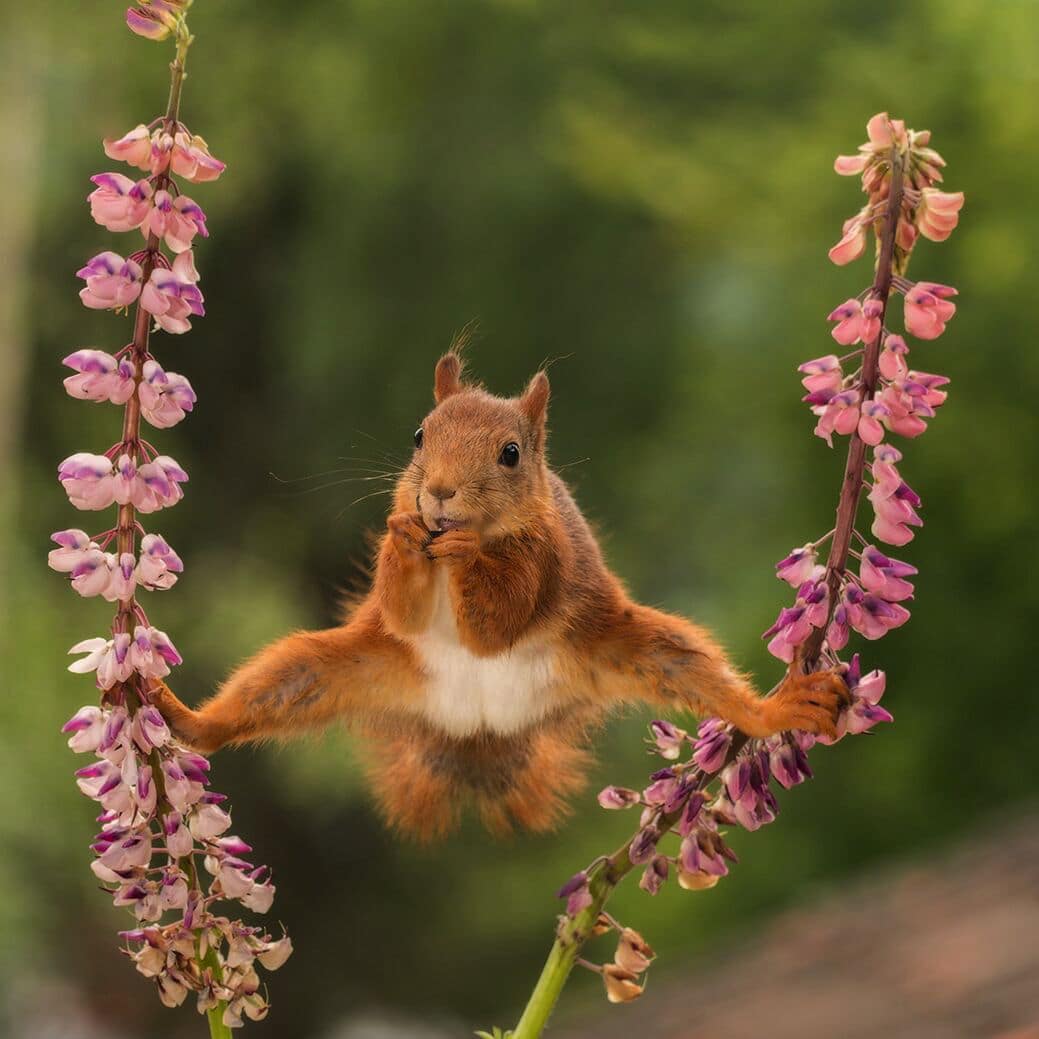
(161, 831)
(720, 777)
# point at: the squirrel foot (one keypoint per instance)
(808, 702)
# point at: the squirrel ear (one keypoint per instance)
(447, 378)
(534, 401)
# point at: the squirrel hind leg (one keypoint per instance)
(538, 797)
(412, 797)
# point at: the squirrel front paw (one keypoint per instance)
(454, 544)
(809, 702)
(409, 534)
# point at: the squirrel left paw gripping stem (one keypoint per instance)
(164, 849)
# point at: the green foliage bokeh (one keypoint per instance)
(641, 194)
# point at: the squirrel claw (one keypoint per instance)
(809, 702)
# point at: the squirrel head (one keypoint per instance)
(479, 460)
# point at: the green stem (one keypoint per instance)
(217, 1028)
(573, 932)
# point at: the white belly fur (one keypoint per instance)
(466, 693)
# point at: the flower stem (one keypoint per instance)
(573, 932)
(217, 1028)
(126, 525)
(851, 485)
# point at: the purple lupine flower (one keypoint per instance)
(614, 797)
(112, 283)
(714, 738)
(870, 615)
(576, 893)
(655, 874)
(166, 397)
(100, 377)
(788, 762)
(799, 566)
(884, 576)
(172, 296)
(669, 739)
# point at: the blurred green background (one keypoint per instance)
(641, 193)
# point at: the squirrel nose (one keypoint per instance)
(440, 492)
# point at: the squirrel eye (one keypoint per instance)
(418, 437)
(510, 455)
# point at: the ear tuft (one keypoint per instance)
(447, 378)
(534, 402)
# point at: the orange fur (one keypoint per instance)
(487, 572)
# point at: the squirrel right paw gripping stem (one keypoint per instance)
(493, 639)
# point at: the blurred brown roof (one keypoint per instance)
(944, 948)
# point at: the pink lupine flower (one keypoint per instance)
(873, 414)
(653, 878)
(939, 213)
(133, 148)
(870, 615)
(158, 484)
(175, 220)
(892, 359)
(119, 203)
(823, 375)
(124, 479)
(907, 411)
(191, 160)
(794, 623)
(864, 711)
(799, 566)
(714, 737)
(152, 652)
(87, 726)
(165, 396)
(88, 480)
(112, 282)
(928, 387)
(576, 893)
(853, 242)
(152, 21)
(181, 792)
(179, 842)
(108, 657)
(884, 576)
(895, 514)
(172, 295)
(927, 309)
(698, 853)
(74, 545)
(872, 311)
(840, 414)
(101, 377)
(159, 565)
(788, 762)
(662, 789)
(149, 729)
(614, 797)
(209, 822)
(849, 165)
(669, 739)
(848, 316)
(92, 573)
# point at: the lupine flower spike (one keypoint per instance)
(165, 850)
(719, 777)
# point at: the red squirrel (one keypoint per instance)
(493, 639)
